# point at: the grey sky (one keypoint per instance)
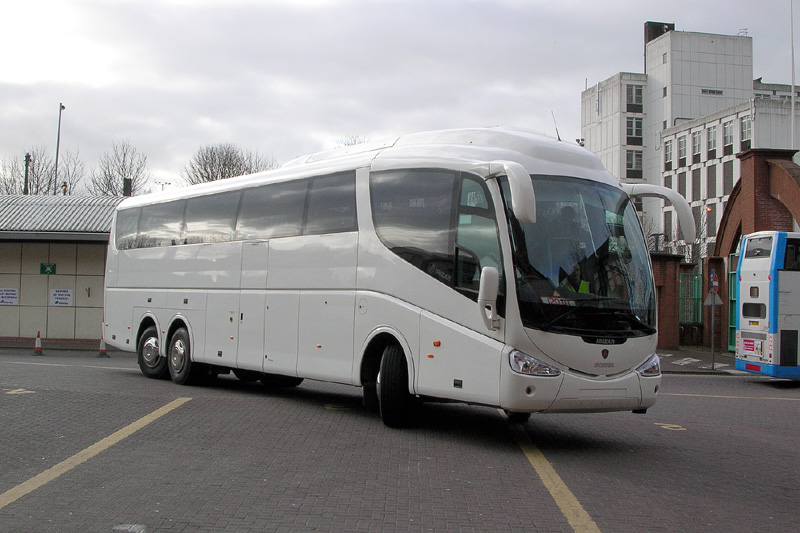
(291, 77)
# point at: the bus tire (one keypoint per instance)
(182, 370)
(150, 361)
(281, 382)
(395, 403)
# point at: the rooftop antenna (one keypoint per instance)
(556, 125)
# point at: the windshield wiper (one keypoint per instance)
(571, 310)
(633, 319)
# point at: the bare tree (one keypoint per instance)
(351, 140)
(221, 161)
(124, 162)
(71, 171)
(40, 174)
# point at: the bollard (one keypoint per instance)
(37, 347)
(102, 351)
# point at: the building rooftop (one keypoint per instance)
(39, 217)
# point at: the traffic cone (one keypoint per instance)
(37, 347)
(102, 352)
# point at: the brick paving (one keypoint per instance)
(239, 458)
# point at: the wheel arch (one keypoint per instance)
(372, 352)
(147, 320)
(177, 322)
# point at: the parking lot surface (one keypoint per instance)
(90, 444)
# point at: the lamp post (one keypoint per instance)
(58, 144)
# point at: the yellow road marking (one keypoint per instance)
(37, 481)
(570, 507)
(722, 397)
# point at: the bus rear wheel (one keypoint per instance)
(395, 403)
(182, 369)
(150, 361)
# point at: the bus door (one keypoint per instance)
(252, 305)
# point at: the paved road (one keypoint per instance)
(90, 444)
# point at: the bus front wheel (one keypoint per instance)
(182, 369)
(150, 361)
(394, 401)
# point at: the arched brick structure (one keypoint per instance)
(767, 197)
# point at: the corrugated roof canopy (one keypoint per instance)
(56, 217)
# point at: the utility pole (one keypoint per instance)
(27, 164)
(58, 143)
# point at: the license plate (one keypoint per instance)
(754, 322)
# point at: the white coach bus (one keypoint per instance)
(488, 266)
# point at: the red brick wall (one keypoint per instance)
(666, 269)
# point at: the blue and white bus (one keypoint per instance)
(488, 266)
(768, 311)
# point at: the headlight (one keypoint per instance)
(650, 368)
(525, 364)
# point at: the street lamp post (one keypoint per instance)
(58, 144)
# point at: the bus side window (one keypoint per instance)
(211, 218)
(161, 224)
(127, 222)
(332, 204)
(271, 211)
(413, 215)
(476, 234)
(792, 261)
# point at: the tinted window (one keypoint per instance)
(210, 218)
(760, 247)
(413, 216)
(127, 223)
(161, 224)
(332, 204)
(476, 234)
(754, 310)
(272, 211)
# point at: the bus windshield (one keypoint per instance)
(582, 268)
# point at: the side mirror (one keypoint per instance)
(487, 297)
(523, 199)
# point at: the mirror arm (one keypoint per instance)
(682, 208)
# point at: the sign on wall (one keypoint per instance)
(9, 296)
(47, 268)
(61, 297)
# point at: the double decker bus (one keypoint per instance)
(489, 266)
(768, 310)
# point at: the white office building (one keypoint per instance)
(681, 123)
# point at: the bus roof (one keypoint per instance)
(470, 149)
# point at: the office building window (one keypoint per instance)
(634, 98)
(696, 180)
(711, 181)
(633, 164)
(667, 155)
(667, 225)
(745, 131)
(727, 138)
(711, 142)
(682, 184)
(682, 151)
(727, 177)
(696, 147)
(634, 131)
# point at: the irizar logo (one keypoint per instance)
(605, 341)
